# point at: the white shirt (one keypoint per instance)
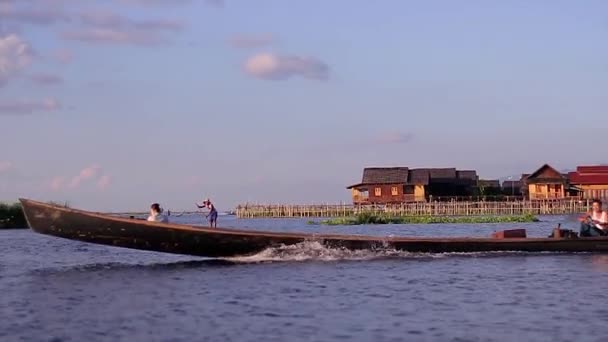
(601, 217)
(158, 217)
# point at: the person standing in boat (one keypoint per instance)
(212, 215)
(156, 214)
(595, 223)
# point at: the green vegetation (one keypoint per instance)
(11, 216)
(369, 218)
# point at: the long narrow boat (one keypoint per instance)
(219, 242)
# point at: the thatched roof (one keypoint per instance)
(419, 177)
(385, 175)
(407, 176)
(467, 174)
(443, 173)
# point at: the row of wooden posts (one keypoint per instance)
(479, 208)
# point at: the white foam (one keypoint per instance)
(313, 250)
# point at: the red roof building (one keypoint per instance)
(592, 180)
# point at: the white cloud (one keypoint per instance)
(111, 20)
(395, 138)
(105, 35)
(104, 182)
(45, 79)
(43, 13)
(22, 107)
(90, 175)
(114, 28)
(271, 66)
(5, 166)
(57, 183)
(85, 174)
(15, 55)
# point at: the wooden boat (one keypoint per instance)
(219, 242)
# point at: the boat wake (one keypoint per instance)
(312, 250)
(315, 251)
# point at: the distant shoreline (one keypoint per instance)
(11, 216)
(145, 213)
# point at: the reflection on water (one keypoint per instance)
(114, 267)
(600, 262)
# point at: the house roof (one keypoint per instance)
(546, 174)
(447, 173)
(595, 169)
(405, 175)
(511, 183)
(467, 174)
(385, 175)
(489, 183)
(419, 176)
(588, 178)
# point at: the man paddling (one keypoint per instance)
(595, 223)
(212, 215)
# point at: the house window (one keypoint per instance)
(394, 191)
(378, 192)
(539, 188)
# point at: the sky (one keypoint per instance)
(111, 105)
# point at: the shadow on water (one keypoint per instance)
(599, 262)
(114, 266)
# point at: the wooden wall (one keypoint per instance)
(388, 193)
(546, 191)
(594, 191)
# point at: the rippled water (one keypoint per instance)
(58, 290)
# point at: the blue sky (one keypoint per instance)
(114, 104)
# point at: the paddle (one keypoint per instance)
(199, 208)
(178, 215)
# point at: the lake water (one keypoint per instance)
(59, 290)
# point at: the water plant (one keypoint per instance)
(370, 218)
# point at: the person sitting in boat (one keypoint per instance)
(212, 215)
(595, 223)
(156, 214)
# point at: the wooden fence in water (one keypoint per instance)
(478, 208)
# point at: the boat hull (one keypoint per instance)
(219, 242)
